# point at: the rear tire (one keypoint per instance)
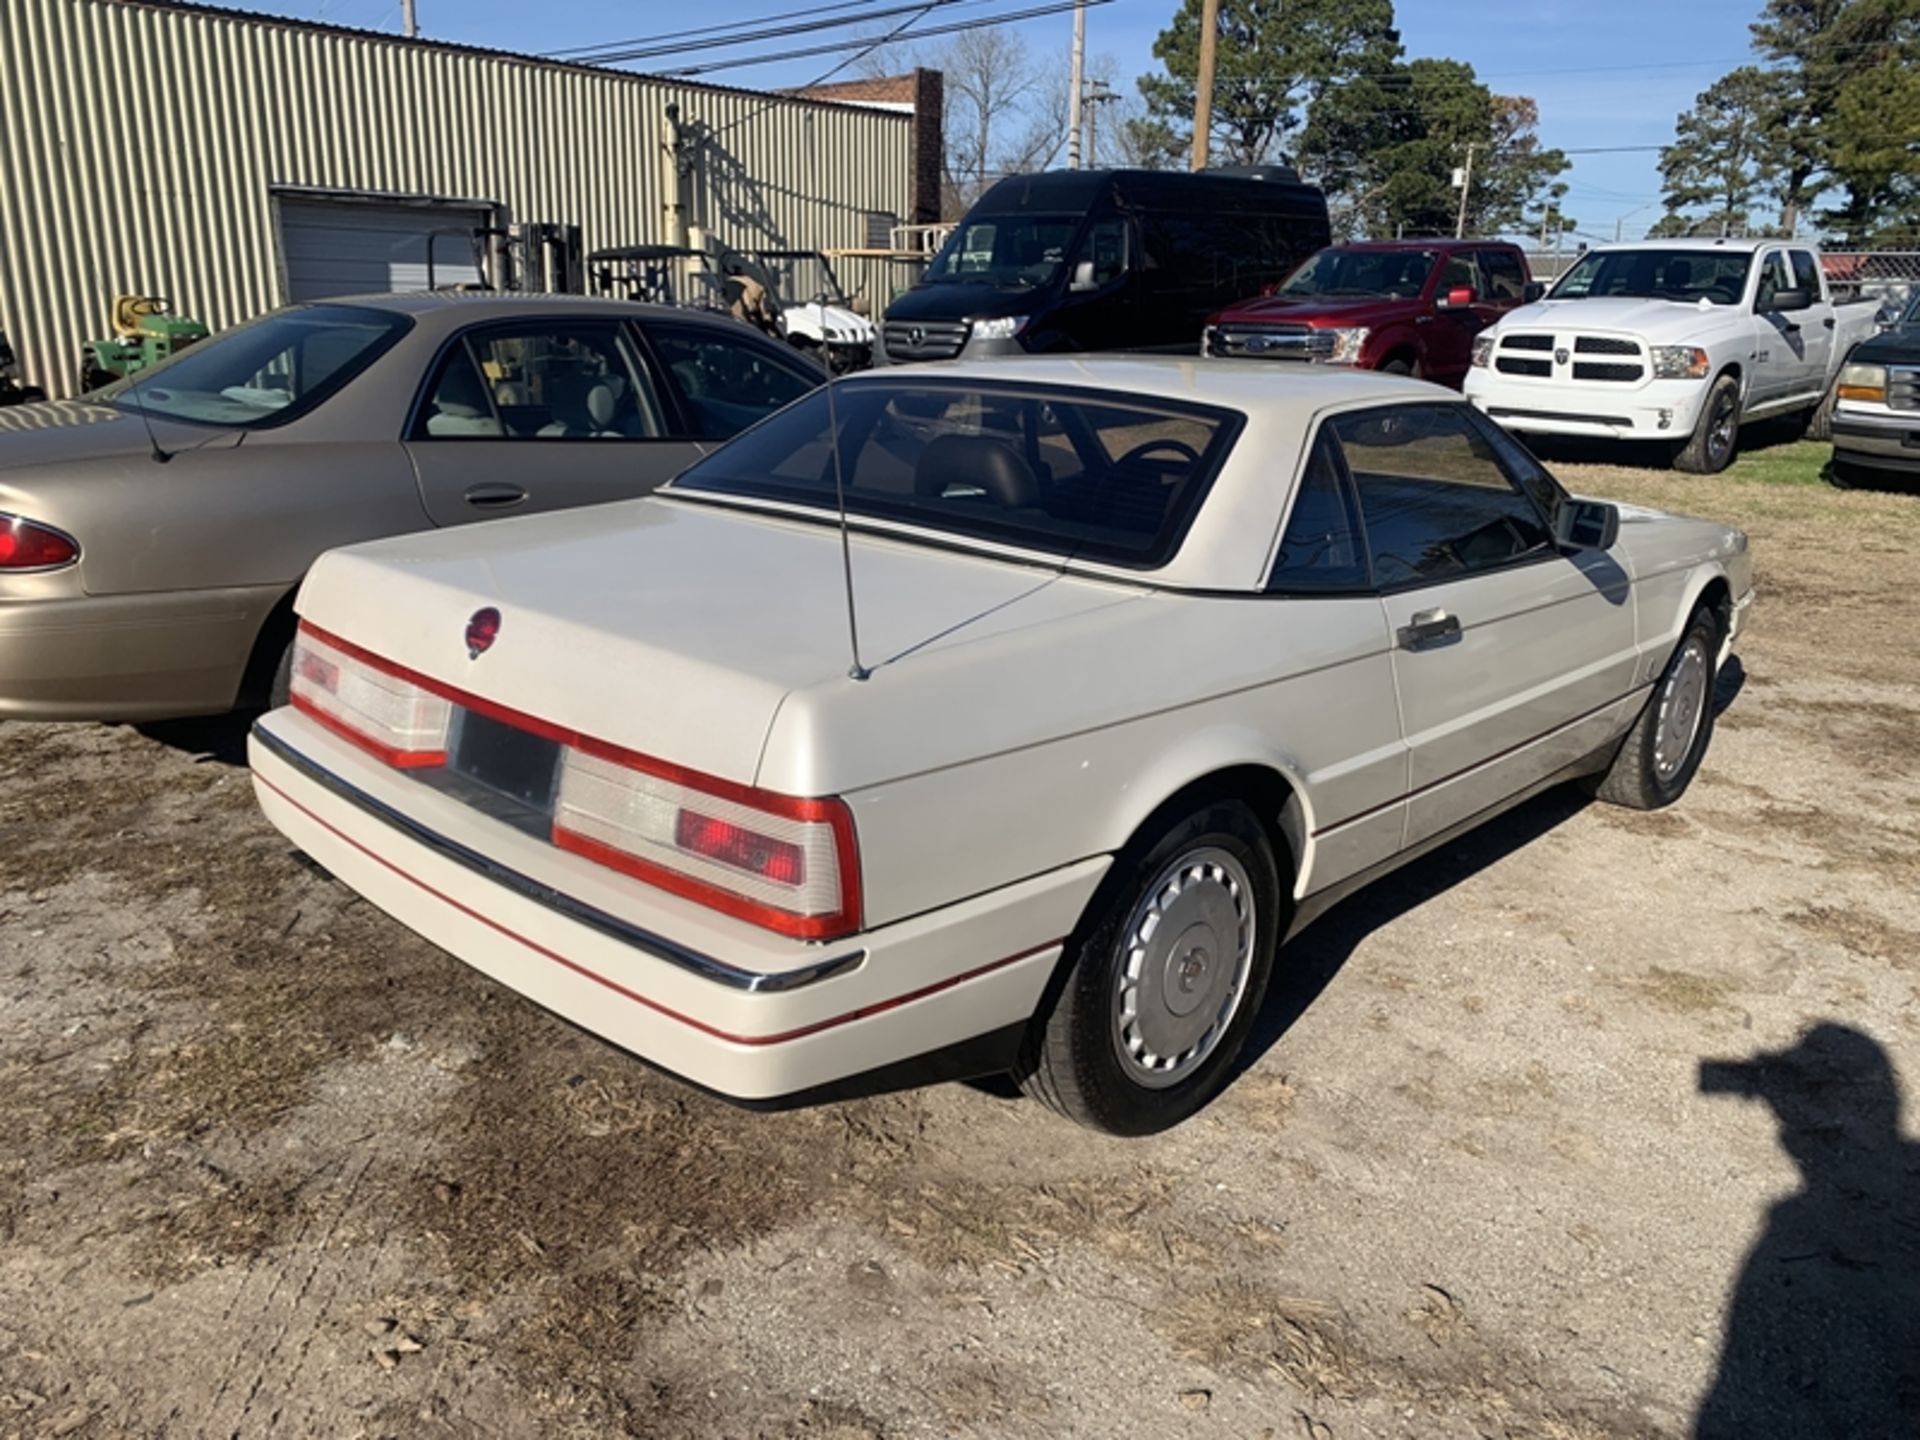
(1664, 748)
(1716, 434)
(1820, 418)
(1164, 976)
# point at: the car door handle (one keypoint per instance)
(494, 495)
(1828, 322)
(1428, 628)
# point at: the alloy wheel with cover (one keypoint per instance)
(1657, 760)
(1165, 976)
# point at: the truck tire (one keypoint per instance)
(1165, 976)
(1820, 418)
(1400, 365)
(1716, 434)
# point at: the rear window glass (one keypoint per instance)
(1078, 474)
(266, 373)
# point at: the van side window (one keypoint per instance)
(1321, 551)
(1105, 249)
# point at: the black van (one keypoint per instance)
(1105, 260)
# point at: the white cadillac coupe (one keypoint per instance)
(1156, 660)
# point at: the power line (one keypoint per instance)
(699, 30)
(1003, 18)
(611, 55)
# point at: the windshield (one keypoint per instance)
(1399, 273)
(266, 373)
(1690, 276)
(1068, 472)
(1010, 251)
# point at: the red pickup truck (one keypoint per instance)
(1408, 306)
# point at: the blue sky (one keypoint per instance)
(1605, 72)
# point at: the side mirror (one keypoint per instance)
(1786, 300)
(1586, 524)
(1083, 277)
(1533, 290)
(1457, 298)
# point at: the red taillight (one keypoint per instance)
(789, 865)
(743, 849)
(377, 706)
(27, 546)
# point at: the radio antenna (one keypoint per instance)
(160, 456)
(859, 671)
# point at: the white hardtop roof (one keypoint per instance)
(1276, 391)
(1231, 539)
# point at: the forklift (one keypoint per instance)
(146, 331)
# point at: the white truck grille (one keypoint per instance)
(1543, 355)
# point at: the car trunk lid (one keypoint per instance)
(672, 628)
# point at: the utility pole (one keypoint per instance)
(1203, 87)
(1075, 84)
(409, 21)
(1466, 189)
(1098, 93)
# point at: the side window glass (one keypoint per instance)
(725, 383)
(1806, 274)
(457, 401)
(1459, 274)
(1436, 502)
(1773, 279)
(1105, 250)
(1505, 279)
(542, 381)
(1321, 550)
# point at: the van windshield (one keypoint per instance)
(1009, 251)
(1099, 475)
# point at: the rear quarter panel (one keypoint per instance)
(975, 767)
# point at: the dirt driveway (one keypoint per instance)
(273, 1166)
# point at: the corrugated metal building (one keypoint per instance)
(234, 162)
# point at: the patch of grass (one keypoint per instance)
(1800, 462)
(1682, 993)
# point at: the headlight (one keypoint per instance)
(1004, 328)
(1347, 345)
(1482, 351)
(1679, 362)
(1863, 382)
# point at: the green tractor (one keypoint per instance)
(146, 331)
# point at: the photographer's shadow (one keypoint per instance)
(1823, 1334)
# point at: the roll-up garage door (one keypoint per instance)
(353, 247)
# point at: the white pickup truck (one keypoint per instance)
(1672, 340)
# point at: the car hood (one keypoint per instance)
(1900, 346)
(672, 627)
(1659, 319)
(1321, 310)
(961, 302)
(60, 432)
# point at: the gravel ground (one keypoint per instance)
(274, 1166)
